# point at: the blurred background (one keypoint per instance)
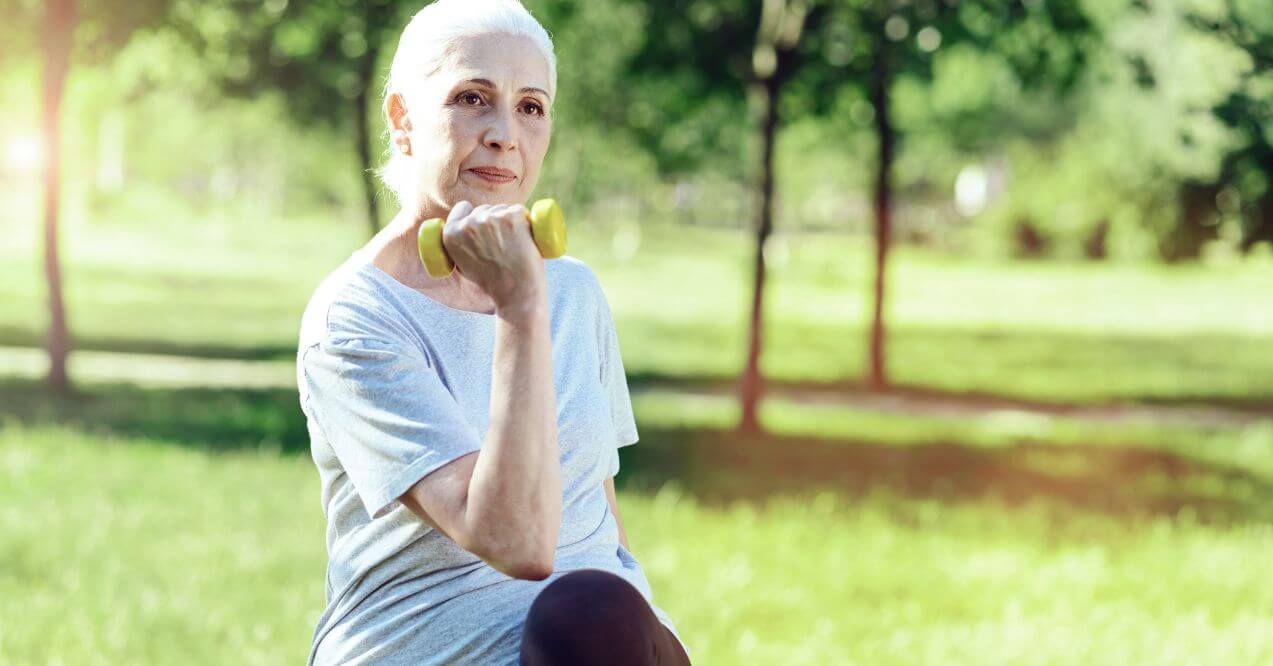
(947, 323)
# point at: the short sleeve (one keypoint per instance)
(614, 382)
(386, 413)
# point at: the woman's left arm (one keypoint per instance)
(614, 509)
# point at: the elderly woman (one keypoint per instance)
(466, 428)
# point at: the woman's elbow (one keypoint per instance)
(526, 566)
(533, 570)
(525, 558)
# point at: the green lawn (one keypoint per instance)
(221, 284)
(183, 525)
(134, 550)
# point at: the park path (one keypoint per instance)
(159, 370)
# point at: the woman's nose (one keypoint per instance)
(499, 135)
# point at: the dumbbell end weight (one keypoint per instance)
(548, 226)
(429, 243)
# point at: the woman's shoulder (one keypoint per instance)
(572, 279)
(571, 271)
(348, 302)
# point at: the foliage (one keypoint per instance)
(102, 27)
(645, 134)
(1243, 190)
(309, 51)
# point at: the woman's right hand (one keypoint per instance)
(492, 245)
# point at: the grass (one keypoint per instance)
(159, 525)
(225, 285)
(124, 549)
(133, 551)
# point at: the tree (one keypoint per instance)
(59, 24)
(744, 54)
(322, 54)
(887, 40)
(773, 61)
(796, 57)
(69, 30)
(1245, 181)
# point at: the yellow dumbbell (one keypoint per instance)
(547, 225)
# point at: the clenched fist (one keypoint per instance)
(492, 245)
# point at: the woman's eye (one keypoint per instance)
(466, 97)
(535, 108)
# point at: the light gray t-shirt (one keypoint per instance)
(394, 385)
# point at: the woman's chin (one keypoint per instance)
(490, 197)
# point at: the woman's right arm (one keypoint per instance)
(503, 502)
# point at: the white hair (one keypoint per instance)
(425, 43)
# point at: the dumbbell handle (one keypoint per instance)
(547, 225)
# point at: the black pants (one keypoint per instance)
(592, 616)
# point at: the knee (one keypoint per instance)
(583, 601)
(588, 616)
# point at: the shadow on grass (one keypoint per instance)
(204, 418)
(718, 467)
(11, 336)
(1048, 370)
(848, 389)
(721, 467)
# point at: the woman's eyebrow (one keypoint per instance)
(489, 84)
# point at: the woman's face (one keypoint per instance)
(486, 109)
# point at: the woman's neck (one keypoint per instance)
(395, 251)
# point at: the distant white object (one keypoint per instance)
(971, 190)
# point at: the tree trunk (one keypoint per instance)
(59, 22)
(751, 386)
(883, 209)
(362, 130)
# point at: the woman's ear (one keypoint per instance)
(396, 112)
(399, 122)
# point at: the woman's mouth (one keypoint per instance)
(494, 174)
